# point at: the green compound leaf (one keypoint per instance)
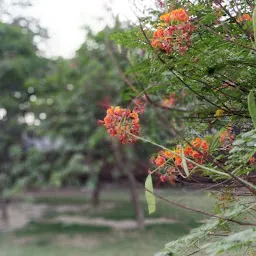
(232, 242)
(151, 200)
(254, 24)
(252, 107)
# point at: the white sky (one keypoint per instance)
(64, 20)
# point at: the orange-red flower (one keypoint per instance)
(157, 37)
(170, 102)
(168, 154)
(156, 43)
(171, 162)
(159, 161)
(200, 144)
(226, 137)
(188, 151)
(168, 177)
(244, 17)
(159, 33)
(178, 161)
(175, 33)
(123, 123)
(252, 160)
(178, 15)
(196, 152)
(165, 17)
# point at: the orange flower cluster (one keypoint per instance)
(227, 138)
(170, 162)
(175, 33)
(170, 102)
(252, 160)
(168, 177)
(244, 17)
(197, 151)
(178, 15)
(122, 123)
(166, 171)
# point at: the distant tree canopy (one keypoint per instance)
(79, 91)
(59, 103)
(19, 62)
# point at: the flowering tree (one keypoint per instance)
(197, 58)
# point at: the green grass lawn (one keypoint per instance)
(98, 242)
(55, 238)
(123, 209)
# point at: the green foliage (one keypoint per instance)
(211, 82)
(132, 38)
(180, 246)
(243, 149)
(254, 23)
(19, 62)
(252, 107)
(236, 241)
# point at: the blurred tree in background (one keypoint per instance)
(50, 110)
(75, 96)
(19, 61)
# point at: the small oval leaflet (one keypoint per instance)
(151, 200)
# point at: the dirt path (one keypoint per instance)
(20, 214)
(114, 224)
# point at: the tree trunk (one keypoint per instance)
(4, 210)
(136, 200)
(125, 168)
(95, 199)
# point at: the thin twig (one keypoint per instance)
(200, 211)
